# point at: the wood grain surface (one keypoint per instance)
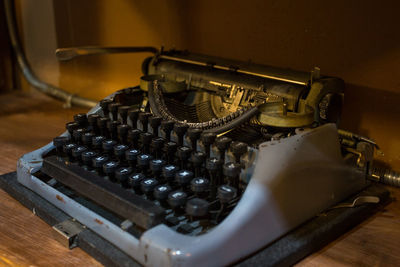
(30, 121)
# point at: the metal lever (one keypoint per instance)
(65, 54)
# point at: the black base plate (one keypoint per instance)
(289, 249)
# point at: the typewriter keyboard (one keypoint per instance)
(148, 170)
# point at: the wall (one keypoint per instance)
(355, 40)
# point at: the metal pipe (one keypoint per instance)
(27, 71)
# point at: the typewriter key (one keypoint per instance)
(131, 156)
(145, 140)
(97, 142)
(222, 143)
(197, 207)
(113, 108)
(108, 145)
(144, 119)
(232, 171)
(109, 169)
(168, 172)
(104, 106)
(119, 151)
(122, 174)
(59, 142)
(156, 167)
(133, 137)
(177, 199)
(77, 135)
(169, 150)
(133, 114)
(81, 119)
(157, 145)
(87, 139)
(112, 129)
(155, 122)
(226, 193)
(147, 185)
(67, 148)
(87, 158)
(183, 177)
(143, 162)
(199, 186)
(180, 130)
(238, 149)
(183, 153)
(77, 152)
(194, 134)
(208, 139)
(134, 180)
(123, 113)
(167, 127)
(98, 161)
(122, 131)
(161, 192)
(92, 120)
(102, 125)
(71, 126)
(197, 158)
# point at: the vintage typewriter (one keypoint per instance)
(205, 162)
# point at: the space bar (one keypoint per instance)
(124, 203)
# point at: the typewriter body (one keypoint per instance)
(205, 162)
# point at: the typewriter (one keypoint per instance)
(205, 162)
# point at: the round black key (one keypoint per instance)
(183, 153)
(197, 158)
(133, 137)
(133, 114)
(77, 134)
(144, 119)
(155, 122)
(77, 152)
(231, 169)
(97, 142)
(213, 164)
(238, 149)
(119, 151)
(92, 120)
(59, 142)
(177, 199)
(167, 127)
(81, 119)
(194, 134)
(226, 193)
(67, 148)
(157, 145)
(98, 161)
(208, 139)
(135, 179)
(161, 192)
(183, 177)
(71, 126)
(112, 128)
(131, 156)
(199, 185)
(122, 174)
(143, 161)
(168, 172)
(180, 130)
(147, 185)
(123, 113)
(102, 125)
(169, 150)
(108, 145)
(87, 139)
(222, 143)
(87, 158)
(104, 105)
(145, 139)
(197, 207)
(156, 166)
(110, 167)
(122, 131)
(113, 108)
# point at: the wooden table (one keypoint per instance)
(28, 122)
